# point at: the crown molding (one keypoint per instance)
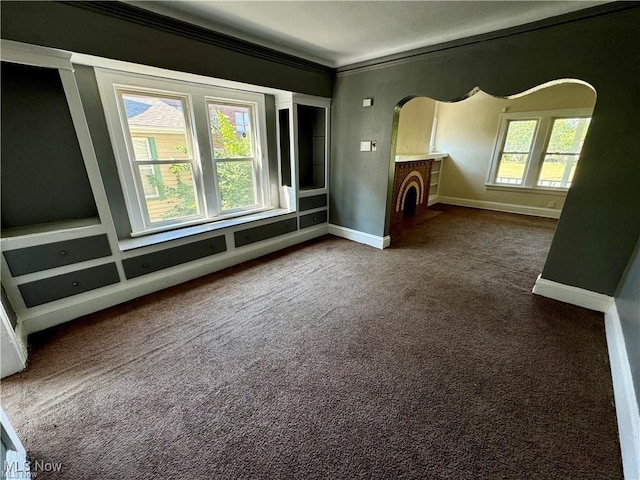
(140, 16)
(416, 54)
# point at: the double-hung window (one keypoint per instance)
(186, 153)
(539, 149)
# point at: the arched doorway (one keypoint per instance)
(517, 153)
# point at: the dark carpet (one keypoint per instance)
(333, 360)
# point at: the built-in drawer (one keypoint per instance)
(313, 219)
(263, 232)
(170, 257)
(316, 201)
(68, 284)
(43, 257)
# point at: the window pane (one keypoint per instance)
(149, 181)
(557, 170)
(567, 135)
(231, 130)
(173, 188)
(236, 182)
(161, 122)
(520, 136)
(512, 168)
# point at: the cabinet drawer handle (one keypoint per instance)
(75, 284)
(145, 265)
(63, 253)
(212, 246)
(315, 218)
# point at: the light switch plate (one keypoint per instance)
(367, 102)
(365, 146)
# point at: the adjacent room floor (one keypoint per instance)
(429, 360)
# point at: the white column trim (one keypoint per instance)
(626, 401)
(14, 350)
(17, 465)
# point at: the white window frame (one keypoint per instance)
(196, 96)
(254, 158)
(538, 149)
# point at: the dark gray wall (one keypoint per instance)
(601, 219)
(122, 32)
(43, 174)
(628, 305)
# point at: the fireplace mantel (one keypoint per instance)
(414, 157)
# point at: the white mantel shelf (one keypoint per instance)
(413, 157)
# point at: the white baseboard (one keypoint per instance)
(626, 401)
(360, 237)
(501, 207)
(573, 295)
(54, 313)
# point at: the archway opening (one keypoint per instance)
(518, 153)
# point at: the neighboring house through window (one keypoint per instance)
(539, 149)
(148, 173)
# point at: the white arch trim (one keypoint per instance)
(402, 193)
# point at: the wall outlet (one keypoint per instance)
(365, 146)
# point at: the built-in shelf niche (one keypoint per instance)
(312, 146)
(44, 180)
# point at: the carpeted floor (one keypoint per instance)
(333, 360)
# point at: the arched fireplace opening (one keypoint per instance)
(410, 202)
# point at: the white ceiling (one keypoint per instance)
(337, 33)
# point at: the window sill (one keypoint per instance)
(179, 233)
(559, 192)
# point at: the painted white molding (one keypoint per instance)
(35, 55)
(501, 207)
(13, 346)
(16, 461)
(360, 237)
(626, 401)
(50, 314)
(573, 295)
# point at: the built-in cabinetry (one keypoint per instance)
(61, 256)
(304, 138)
(436, 174)
(57, 237)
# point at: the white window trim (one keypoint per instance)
(545, 120)
(196, 114)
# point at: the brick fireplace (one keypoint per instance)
(410, 188)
